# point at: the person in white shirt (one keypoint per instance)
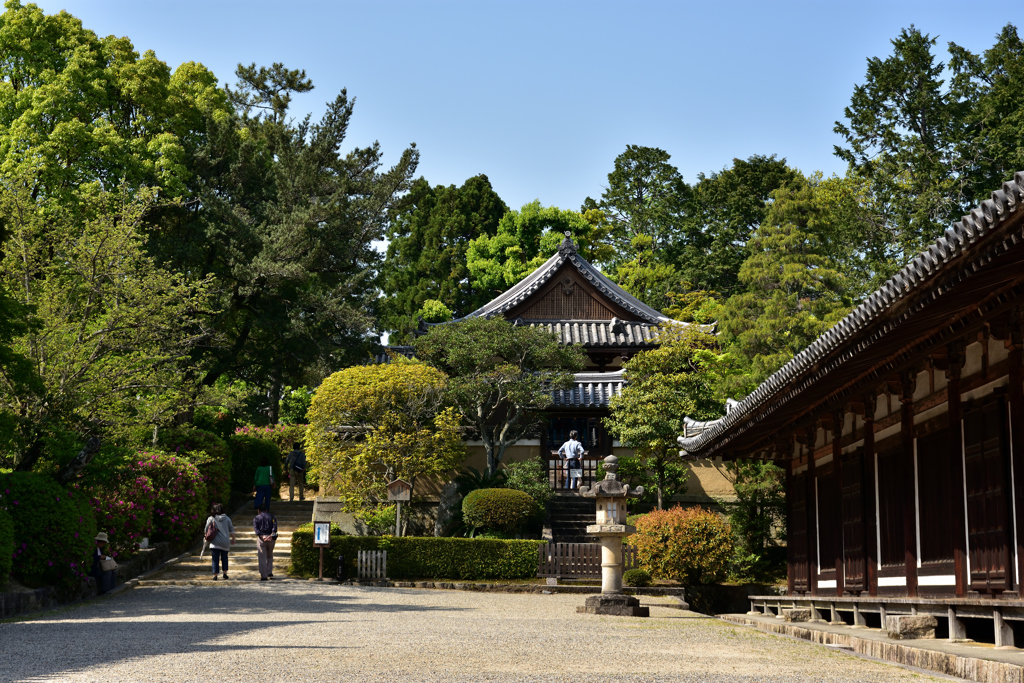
(571, 452)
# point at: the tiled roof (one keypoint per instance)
(610, 333)
(957, 242)
(519, 292)
(591, 390)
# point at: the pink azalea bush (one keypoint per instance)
(123, 505)
(179, 506)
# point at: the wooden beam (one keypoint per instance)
(1015, 343)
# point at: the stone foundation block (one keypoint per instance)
(614, 605)
(911, 627)
(796, 614)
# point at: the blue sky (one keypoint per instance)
(542, 96)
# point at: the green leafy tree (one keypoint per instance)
(794, 291)
(372, 424)
(758, 518)
(500, 376)
(426, 257)
(644, 197)
(114, 331)
(524, 240)
(77, 109)
(901, 135)
(663, 386)
(275, 204)
(718, 215)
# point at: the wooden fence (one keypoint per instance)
(577, 559)
(373, 564)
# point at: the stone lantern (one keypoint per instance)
(611, 527)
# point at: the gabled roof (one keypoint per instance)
(853, 335)
(613, 333)
(590, 390)
(522, 290)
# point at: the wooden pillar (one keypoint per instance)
(1016, 420)
(790, 562)
(868, 490)
(812, 512)
(908, 382)
(837, 467)
(955, 354)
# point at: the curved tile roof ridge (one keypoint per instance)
(520, 291)
(954, 242)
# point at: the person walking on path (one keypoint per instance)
(265, 526)
(571, 451)
(221, 543)
(263, 484)
(104, 568)
(296, 464)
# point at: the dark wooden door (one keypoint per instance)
(797, 533)
(890, 507)
(828, 501)
(987, 467)
(855, 578)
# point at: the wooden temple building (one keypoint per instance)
(572, 299)
(902, 434)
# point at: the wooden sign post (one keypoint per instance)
(399, 490)
(321, 539)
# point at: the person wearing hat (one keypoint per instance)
(105, 577)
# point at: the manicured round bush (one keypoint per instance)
(246, 454)
(692, 545)
(638, 578)
(180, 505)
(504, 510)
(6, 545)
(206, 451)
(53, 528)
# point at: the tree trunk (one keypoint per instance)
(79, 463)
(274, 398)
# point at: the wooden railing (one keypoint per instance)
(577, 559)
(558, 475)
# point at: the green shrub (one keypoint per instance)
(464, 559)
(631, 519)
(180, 505)
(209, 453)
(53, 530)
(504, 510)
(693, 545)
(638, 578)
(6, 546)
(246, 454)
(529, 477)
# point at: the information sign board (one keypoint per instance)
(321, 534)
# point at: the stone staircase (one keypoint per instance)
(570, 514)
(243, 564)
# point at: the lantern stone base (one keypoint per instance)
(614, 605)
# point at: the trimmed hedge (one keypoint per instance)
(505, 510)
(6, 546)
(465, 559)
(209, 453)
(638, 578)
(53, 530)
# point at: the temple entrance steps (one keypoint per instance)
(570, 514)
(242, 558)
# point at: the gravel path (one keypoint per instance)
(303, 631)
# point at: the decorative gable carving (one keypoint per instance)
(568, 296)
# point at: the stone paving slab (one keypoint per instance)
(289, 631)
(965, 660)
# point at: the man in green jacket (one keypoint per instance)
(263, 484)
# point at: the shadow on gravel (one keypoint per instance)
(129, 626)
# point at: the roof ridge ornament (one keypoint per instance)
(567, 248)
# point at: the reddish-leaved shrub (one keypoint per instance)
(692, 545)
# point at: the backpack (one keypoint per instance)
(299, 463)
(211, 531)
